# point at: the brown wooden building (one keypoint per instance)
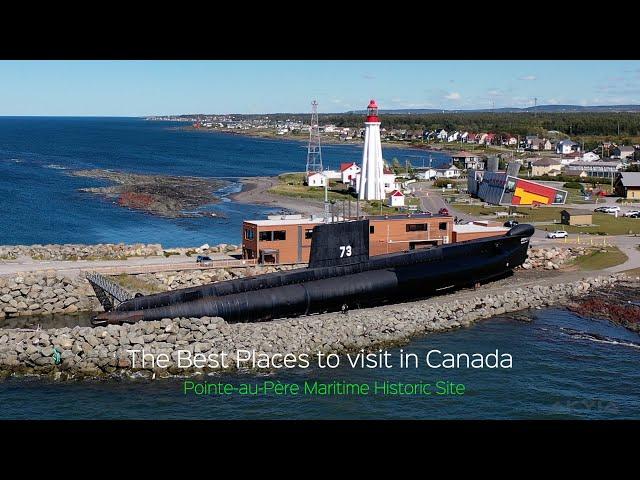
(287, 239)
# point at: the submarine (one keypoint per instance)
(340, 275)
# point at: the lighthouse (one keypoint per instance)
(371, 180)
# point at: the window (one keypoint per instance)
(308, 233)
(417, 227)
(443, 226)
(372, 229)
(249, 234)
(280, 235)
(266, 236)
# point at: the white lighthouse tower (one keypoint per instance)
(371, 180)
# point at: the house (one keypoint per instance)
(565, 147)
(590, 157)
(627, 185)
(453, 137)
(546, 166)
(600, 168)
(575, 216)
(469, 160)
(539, 144)
(389, 180)
(463, 136)
(451, 172)
(348, 171)
(396, 199)
(472, 138)
(441, 134)
(509, 140)
(623, 152)
(316, 179)
(426, 174)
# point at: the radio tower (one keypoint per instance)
(314, 154)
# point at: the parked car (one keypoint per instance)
(443, 211)
(204, 260)
(634, 215)
(600, 209)
(557, 234)
(631, 213)
(510, 223)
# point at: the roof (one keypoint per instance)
(314, 174)
(471, 228)
(577, 211)
(626, 148)
(286, 221)
(631, 179)
(568, 142)
(546, 162)
(397, 193)
(344, 166)
(387, 171)
(598, 163)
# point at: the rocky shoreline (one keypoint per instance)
(163, 195)
(102, 352)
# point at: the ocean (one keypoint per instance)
(41, 202)
(564, 367)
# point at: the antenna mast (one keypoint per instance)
(314, 154)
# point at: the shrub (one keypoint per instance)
(577, 185)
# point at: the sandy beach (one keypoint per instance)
(255, 191)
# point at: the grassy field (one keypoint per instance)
(601, 259)
(608, 225)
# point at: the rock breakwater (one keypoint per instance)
(80, 352)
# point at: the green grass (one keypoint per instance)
(539, 214)
(600, 259)
(608, 225)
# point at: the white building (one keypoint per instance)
(427, 174)
(567, 146)
(316, 179)
(590, 157)
(389, 181)
(348, 171)
(372, 184)
(451, 172)
(396, 199)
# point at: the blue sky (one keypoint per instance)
(138, 88)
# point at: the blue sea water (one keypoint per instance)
(41, 202)
(564, 367)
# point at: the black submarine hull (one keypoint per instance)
(337, 283)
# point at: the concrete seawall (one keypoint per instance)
(102, 351)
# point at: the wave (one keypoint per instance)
(55, 166)
(594, 337)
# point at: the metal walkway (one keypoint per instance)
(107, 291)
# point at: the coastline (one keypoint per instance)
(255, 191)
(105, 352)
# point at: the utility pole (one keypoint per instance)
(314, 153)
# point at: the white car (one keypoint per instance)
(557, 234)
(612, 209)
(632, 212)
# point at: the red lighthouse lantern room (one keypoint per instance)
(372, 112)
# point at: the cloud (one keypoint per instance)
(453, 96)
(528, 78)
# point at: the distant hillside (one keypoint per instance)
(539, 108)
